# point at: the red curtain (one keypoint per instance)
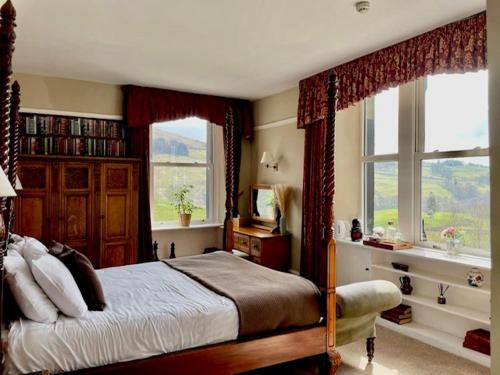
(318, 191)
(139, 147)
(454, 48)
(146, 105)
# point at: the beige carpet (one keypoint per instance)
(399, 355)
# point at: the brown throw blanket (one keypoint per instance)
(267, 300)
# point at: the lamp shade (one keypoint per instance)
(6, 189)
(267, 158)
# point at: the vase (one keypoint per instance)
(283, 225)
(185, 219)
(452, 247)
(406, 287)
(475, 277)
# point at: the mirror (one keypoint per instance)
(262, 204)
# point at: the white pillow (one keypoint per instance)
(33, 249)
(17, 244)
(32, 301)
(58, 283)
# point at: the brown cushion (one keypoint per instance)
(84, 274)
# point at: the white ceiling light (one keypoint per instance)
(363, 6)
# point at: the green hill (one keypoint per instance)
(454, 193)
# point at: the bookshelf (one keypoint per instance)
(71, 135)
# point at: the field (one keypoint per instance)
(454, 193)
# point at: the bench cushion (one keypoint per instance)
(367, 297)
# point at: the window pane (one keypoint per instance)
(456, 111)
(166, 180)
(180, 141)
(456, 192)
(381, 194)
(381, 124)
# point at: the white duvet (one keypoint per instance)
(151, 309)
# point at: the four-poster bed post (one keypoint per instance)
(7, 38)
(15, 101)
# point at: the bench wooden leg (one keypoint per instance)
(370, 348)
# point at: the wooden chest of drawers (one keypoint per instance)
(267, 249)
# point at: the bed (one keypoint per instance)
(159, 316)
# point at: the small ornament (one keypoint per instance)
(475, 278)
(172, 251)
(442, 290)
(406, 287)
(356, 233)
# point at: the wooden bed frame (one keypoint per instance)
(227, 358)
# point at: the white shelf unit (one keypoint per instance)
(463, 312)
(442, 326)
(429, 276)
(440, 339)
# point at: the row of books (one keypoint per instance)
(71, 126)
(400, 314)
(72, 146)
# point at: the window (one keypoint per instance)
(181, 154)
(427, 167)
(381, 159)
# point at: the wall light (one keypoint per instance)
(268, 160)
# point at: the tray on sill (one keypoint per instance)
(388, 245)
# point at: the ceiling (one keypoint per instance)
(239, 48)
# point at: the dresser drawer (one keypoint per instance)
(255, 247)
(242, 242)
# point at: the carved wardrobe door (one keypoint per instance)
(33, 210)
(75, 200)
(118, 214)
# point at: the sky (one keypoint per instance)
(191, 127)
(456, 114)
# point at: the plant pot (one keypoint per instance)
(185, 219)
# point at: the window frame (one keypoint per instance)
(411, 139)
(211, 196)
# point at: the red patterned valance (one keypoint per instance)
(454, 48)
(146, 105)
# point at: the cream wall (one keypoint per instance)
(60, 94)
(493, 21)
(276, 131)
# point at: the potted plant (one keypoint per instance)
(183, 204)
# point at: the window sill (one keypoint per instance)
(160, 228)
(421, 252)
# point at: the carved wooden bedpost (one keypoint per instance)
(15, 101)
(229, 153)
(328, 235)
(7, 38)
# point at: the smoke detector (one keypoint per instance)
(362, 6)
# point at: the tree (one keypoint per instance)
(431, 206)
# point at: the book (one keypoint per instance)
(397, 321)
(396, 316)
(478, 347)
(401, 309)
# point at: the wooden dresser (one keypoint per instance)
(265, 248)
(88, 203)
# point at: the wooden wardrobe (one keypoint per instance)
(87, 203)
